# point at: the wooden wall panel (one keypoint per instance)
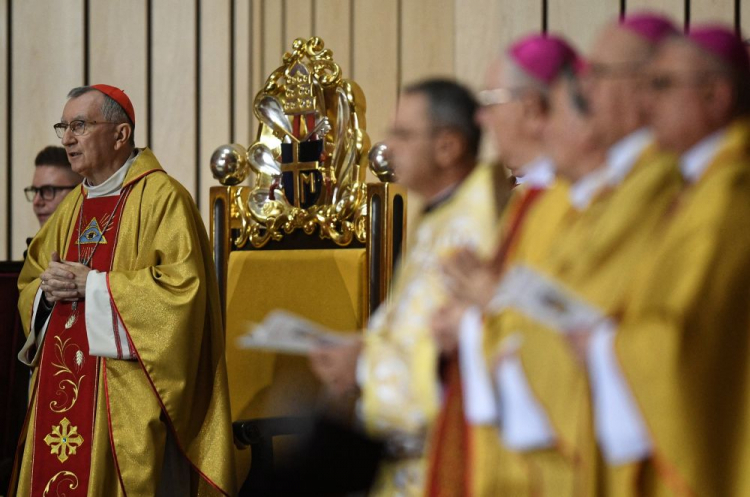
(376, 61)
(257, 76)
(333, 24)
(745, 17)
(174, 92)
(243, 36)
(298, 21)
(712, 10)
(674, 8)
(55, 46)
(501, 22)
(215, 91)
(5, 171)
(113, 62)
(427, 33)
(580, 20)
(273, 44)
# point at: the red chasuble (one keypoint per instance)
(68, 375)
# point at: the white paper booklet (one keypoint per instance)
(287, 333)
(545, 300)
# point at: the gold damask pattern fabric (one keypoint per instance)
(166, 294)
(400, 390)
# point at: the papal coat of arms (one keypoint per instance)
(310, 156)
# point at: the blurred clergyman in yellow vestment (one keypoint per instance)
(434, 142)
(669, 377)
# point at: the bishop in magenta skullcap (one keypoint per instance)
(118, 96)
(650, 26)
(544, 56)
(723, 43)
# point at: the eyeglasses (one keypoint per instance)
(616, 70)
(47, 192)
(497, 96)
(664, 82)
(77, 127)
(579, 101)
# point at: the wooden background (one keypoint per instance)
(192, 67)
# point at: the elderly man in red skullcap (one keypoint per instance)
(669, 376)
(120, 304)
(468, 459)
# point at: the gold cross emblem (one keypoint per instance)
(64, 440)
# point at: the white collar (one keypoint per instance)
(623, 155)
(539, 173)
(113, 184)
(694, 162)
(583, 191)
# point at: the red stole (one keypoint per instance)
(450, 457)
(68, 375)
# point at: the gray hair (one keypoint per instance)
(111, 110)
(577, 99)
(518, 77)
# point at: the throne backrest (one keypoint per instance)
(310, 234)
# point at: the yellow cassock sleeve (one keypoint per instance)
(164, 289)
(400, 387)
(683, 341)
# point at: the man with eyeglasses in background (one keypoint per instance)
(467, 457)
(53, 179)
(119, 300)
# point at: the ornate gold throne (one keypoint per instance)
(310, 235)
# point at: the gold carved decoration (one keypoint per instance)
(60, 478)
(310, 156)
(71, 379)
(64, 440)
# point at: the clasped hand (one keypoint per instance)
(64, 280)
(336, 366)
(470, 282)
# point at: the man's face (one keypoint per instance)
(95, 148)
(51, 176)
(566, 133)
(504, 121)
(613, 82)
(411, 142)
(680, 97)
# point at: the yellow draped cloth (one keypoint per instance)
(164, 288)
(398, 365)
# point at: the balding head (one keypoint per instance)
(617, 44)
